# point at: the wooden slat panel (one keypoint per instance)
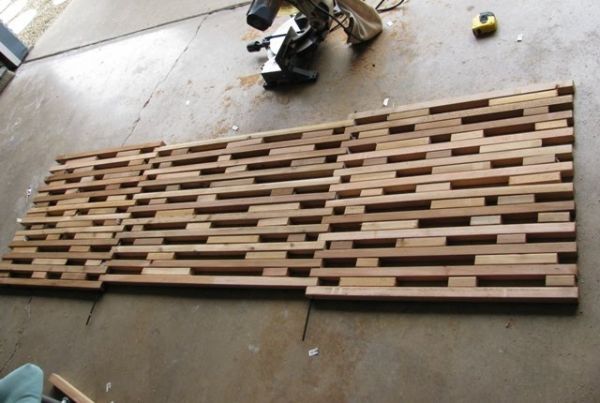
(464, 194)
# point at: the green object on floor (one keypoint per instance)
(5, 76)
(23, 385)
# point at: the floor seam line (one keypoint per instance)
(139, 31)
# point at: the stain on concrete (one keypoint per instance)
(249, 81)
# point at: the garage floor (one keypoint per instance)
(193, 79)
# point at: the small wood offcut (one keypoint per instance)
(463, 199)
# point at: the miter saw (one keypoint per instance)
(291, 47)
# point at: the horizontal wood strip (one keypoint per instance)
(547, 247)
(498, 272)
(215, 281)
(526, 294)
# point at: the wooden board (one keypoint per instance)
(69, 390)
(411, 202)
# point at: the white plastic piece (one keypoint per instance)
(313, 352)
(386, 102)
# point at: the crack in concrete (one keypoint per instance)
(89, 318)
(308, 310)
(20, 332)
(164, 79)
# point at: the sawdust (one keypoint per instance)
(220, 128)
(251, 35)
(249, 81)
(227, 101)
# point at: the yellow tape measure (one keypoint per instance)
(484, 24)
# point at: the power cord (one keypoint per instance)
(389, 8)
(379, 10)
(333, 17)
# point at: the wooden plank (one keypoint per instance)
(68, 389)
(512, 238)
(438, 154)
(52, 283)
(284, 150)
(159, 271)
(355, 210)
(451, 203)
(510, 146)
(275, 271)
(426, 241)
(212, 281)
(227, 239)
(341, 245)
(372, 176)
(490, 272)
(536, 110)
(470, 281)
(539, 159)
(431, 187)
(266, 255)
(408, 114)
(373, 133)
(389, 225)
(367, 282)
(160, 256)
(550, 248)
(273, 221)
(367, 262)
(524, 97)
(517, 258)
(516, 199)
(403, 143)
(554, 217)
(550, 177)
(371, 192)
(553, 124)
(438, 123)
(272, 207)
(486, 220)
(522, 294)
(560, 281)
(475, 134)
(473, 166)
(242, 247)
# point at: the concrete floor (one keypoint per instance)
(193, 80)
